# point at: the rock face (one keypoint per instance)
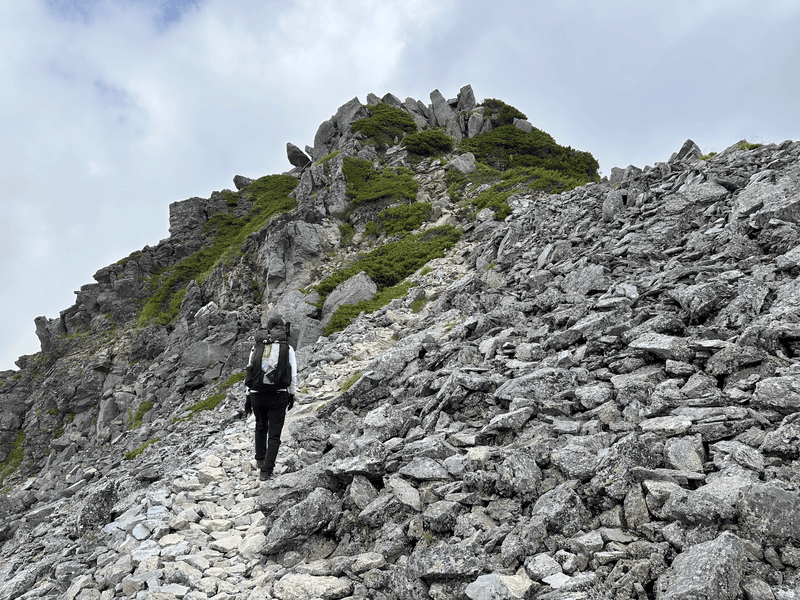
(597, 398)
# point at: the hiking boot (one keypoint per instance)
(264, 475)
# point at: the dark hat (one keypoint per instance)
(276, 321)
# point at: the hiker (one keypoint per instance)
(270, 407)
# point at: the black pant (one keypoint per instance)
(270, 412)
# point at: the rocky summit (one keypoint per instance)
(517, 380)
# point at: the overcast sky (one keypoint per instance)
(112, 109)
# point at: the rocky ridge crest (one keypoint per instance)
(597, 397)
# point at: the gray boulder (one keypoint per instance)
(465, 163)
(296, 156)
(708, 571)
(466, 99)
(523, 125)
(441, 109)
(302, 586)
(562, 509)
(781, 394)
(689, 151)
(785, 440)
(769, 514)
(96, 508)
(319, 510)
(324, 139)
(444, 562)
(666, 347)
(613, 205)
(359, 287)
(241, 182)
(474, 125)
(347, 114)
(500, 587)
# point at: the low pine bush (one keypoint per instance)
(394, 261)
(500, 113)
(508, 147)
(384, 125)
(429, 142)
(365, 183)
(406, 217)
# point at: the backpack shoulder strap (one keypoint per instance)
(283, 363)
(258, 354)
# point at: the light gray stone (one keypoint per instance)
(499, 587)
(711, 570)
(441, 109)
(465, 163)
(359, 287)
(309, 587)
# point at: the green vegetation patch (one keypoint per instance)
(209, 403)
(419, 304)
(507, 147)
(366, 184)
(136, 422)
(231, 198)
(429, 142)
(457, 181)
(351, 380)
(324, 160)
(345, 314)
(14, 458)
(384, 124)
(347, 232)
(394, 261)
(134, 453)
(405, 217)
(232, 380)
(270, 196)
(749, 146)
(500, 113)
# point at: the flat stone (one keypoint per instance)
(424, 469)
(499, 587)
(557, 580)
(666, 347)
(308, 587)
(667, 426)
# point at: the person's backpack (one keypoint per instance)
(269, 369)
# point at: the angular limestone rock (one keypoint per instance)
(708, 571)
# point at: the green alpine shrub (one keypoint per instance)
(384, 124)
(366, 184)
(428, 142)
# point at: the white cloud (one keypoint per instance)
(110, 113)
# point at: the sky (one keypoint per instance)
(112, 109)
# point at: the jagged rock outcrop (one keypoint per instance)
(597, 397)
